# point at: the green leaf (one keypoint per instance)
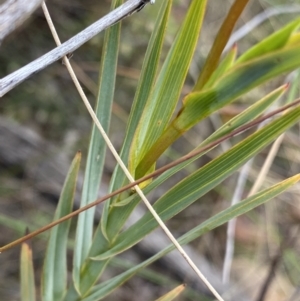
(225, 64)
(91, 271)
(236, 82)
(162, 101)
(172, 294)
(102, 290)
(244, 117)
(247, 115)
(27, 274)
(273, 42)
(16, 225)
(145, 85)
(54, 280)
(241, 208)
(220, 42)
(294, 39)
(206, 178)
(97, 147)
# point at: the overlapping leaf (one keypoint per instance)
(225, 64)
(97, 147)
(275, 41)
(246, 116)
(91, 271)
(145, 85)
(236, 82)
(197, 184)
(162, 101)
(102, 290)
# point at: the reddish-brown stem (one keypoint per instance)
(152, 175)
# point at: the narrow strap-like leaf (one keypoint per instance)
(27, 274)
(220, 42)
(102, 290)
(271, 43)
(197, 184)
(224, 65)
(145, 85)
(234, 83)
(162, 102)
(244, 117)
(54, 279)
(172, 294)
(107, 229)
(97, 147)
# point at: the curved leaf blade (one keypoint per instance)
(224, 65)
(244, 117)
(236, 82)
(54, 280)
(145, 85)
(273, 42)
(97, 147)
(197, 184)
(102, 290)
(220, 42)
(247, 115)
(241, 208)
(162, 102)
(91, 270)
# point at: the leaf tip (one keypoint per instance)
(286, 86)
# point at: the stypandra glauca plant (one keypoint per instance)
(151, 129)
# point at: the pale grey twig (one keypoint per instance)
(10, 81)
(237, 196)
(13, 13)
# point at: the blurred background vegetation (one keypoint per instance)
(49, 109)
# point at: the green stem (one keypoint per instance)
(170, 135)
